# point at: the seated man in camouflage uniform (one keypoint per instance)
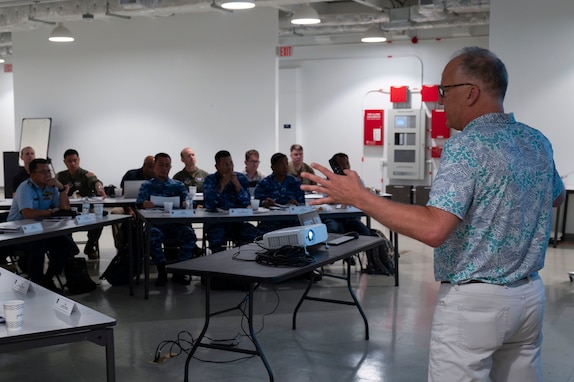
(227, 189)
(162, 185)
(279, 188)
(82, 183)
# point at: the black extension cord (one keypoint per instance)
(286, 256)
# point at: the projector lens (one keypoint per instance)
(310, 235)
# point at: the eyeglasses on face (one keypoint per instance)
(253, 161)
(441, 88)
(43, 172)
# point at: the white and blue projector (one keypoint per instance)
(300, 236)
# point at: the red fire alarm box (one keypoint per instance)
(373, 124)
(398, 94)
(429, 93)
(438, 125)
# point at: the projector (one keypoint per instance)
(300, 236)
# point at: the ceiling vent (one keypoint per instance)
(399, 15)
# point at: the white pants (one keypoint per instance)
(484, 332)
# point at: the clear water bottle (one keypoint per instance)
(189, 201)
(85, 206)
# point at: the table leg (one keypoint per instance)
(258, 349)
(146, 256)
(254, 337)
(110, 356)
(355, 301)
(556, 224)
(130, 254)
(102, 337)
(395, 237)
(294, 320)
(203, 331)
(357, 304)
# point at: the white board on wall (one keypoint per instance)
(36, 134)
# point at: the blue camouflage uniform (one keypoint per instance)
(219, 233)
(281, 193)
(162, 233)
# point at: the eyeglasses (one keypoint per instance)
(253, 161)
(43, 172)
(441, 88)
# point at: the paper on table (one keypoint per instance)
(159, 200)
(9, 227)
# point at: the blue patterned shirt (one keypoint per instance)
(497, 176)
(156, 187)
(228, 198)
(282, 193)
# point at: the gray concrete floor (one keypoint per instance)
(328, 344)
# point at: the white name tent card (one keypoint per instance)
(63, 305)
(21, 285)
(32, 228)
(86, 219)
(176, 213)
(300, 209)
(240, 211)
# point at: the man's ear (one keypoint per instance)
(473, 95)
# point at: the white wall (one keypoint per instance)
(128, 88)
(7, 140)
(333, 88)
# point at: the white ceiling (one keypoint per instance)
(341, 21)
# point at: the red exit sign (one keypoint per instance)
(285, 51)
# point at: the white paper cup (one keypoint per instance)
(14, 314)
(255, 204)
(167, 207)
(99, 210)
(192, 191)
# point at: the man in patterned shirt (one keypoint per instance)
(162, 185)
(489, 217)
(227, 189)
(279, 188)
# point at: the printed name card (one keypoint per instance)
(182, 212)
(32, 228)
(300, 209)
(63, 305)
(21, 285)
(86, 219)
(240, 211)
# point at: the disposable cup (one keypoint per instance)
(99, 210)
(192, 191)
(167, 207)
(255, 204)
(14, 314)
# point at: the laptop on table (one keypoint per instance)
(132, 188)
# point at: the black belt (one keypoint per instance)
(468, 282)
(484, 282)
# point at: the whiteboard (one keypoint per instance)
(36, 134)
